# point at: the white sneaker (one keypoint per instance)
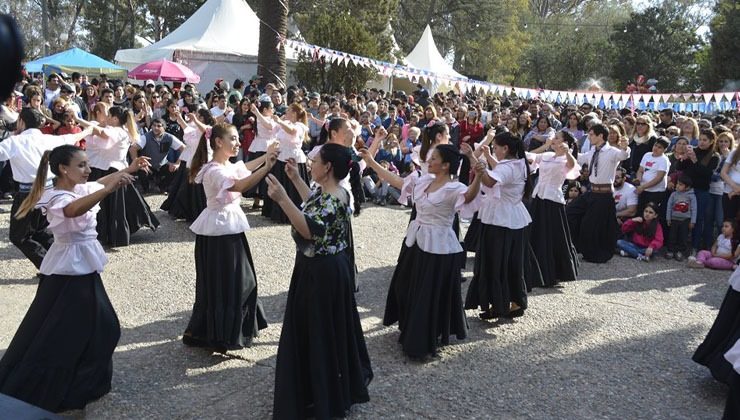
(641, 257)
(622, 253)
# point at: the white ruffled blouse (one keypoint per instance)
(111, 152)
(501, 205)
(191, 137)
(553, 173)
(223, 214)
(76, 250)
(291, 144)
(435, 211)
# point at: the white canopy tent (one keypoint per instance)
(219, 41)
(424, 56)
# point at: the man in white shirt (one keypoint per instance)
(653, 177)
(52, 89)
(24, 151)
(220, 111)
(592, 216)
(625, 197)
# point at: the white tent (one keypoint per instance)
(219, 41)
(426, 56)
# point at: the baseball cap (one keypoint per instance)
(254, 77)
(314, 95)
(149, 83)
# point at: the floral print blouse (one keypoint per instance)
(328, 219)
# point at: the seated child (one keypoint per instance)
(644, 235)
(721, 256)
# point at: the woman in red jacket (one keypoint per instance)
(643, 235)
(471, 132)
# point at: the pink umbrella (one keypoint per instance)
(164, 70)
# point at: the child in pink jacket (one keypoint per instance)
(645, 235)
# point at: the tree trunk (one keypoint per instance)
(72, 27)
(274, 26)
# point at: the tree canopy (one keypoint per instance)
(555, 44)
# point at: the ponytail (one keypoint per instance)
(126, 119)
(571, 142)
(38, 188)
(199, 158)
(429, 135)
(130, 126)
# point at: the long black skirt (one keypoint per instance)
(550, 240)
(721, 337)
(122, 213)
(732, 406)
(498, 272)
(186, 200)
(61, 356)
(259, 190)
(592, 219)
(227, 314)
(472, 236)
(323, 366)
(270, 208)
(424, 297)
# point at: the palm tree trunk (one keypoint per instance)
(271, 60)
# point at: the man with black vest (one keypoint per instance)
(163, 150)
(24, 151)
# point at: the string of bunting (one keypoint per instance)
(703, 102)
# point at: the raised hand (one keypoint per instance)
(366, 155)
(291, 169)
(271, 156)
(486, 151)
(466, 150)
(141, 163)
(479, 168)
(117, 180)
(274, 189)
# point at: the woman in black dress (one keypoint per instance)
(322, 363)
(722, 336)
(424, 296)
(61, 356)
(227, 313)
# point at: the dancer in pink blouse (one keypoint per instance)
(226, 313)
(61, 356)
(424, 296)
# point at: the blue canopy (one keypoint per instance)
(76, 60)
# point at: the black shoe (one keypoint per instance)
(489, 314)
(515, 313)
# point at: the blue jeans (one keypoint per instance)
(713, 217)
(702, 202)
(630, 248)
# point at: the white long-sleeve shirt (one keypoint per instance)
(24, 151)
(609, 159)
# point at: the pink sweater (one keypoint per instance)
(643, 241)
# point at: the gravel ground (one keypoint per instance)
(615, 344)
